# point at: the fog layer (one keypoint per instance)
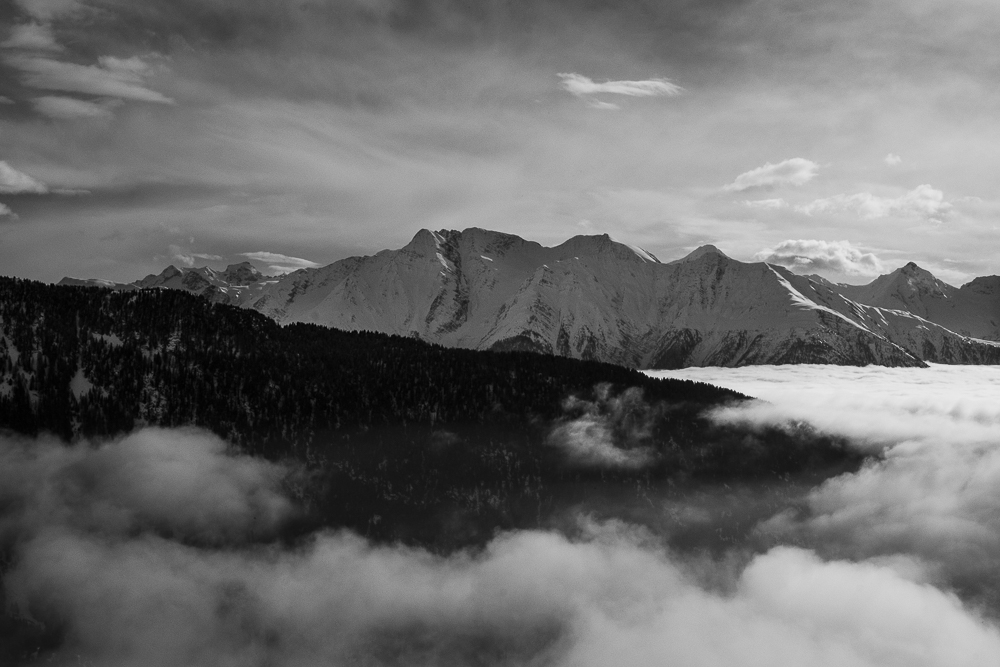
(932, 494)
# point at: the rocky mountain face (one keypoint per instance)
(594, 298)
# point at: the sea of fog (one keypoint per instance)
(155, 550)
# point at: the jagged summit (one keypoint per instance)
(596, 298)
(707, 250)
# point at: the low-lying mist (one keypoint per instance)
(167, 548)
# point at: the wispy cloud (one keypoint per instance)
(264, 256)
(922, 201)
(111, 77)
(580, 85)
(278, 263)
(191, 258)
(606, 106)
(767, 204)
(14, 182)
(806, 256)
(794, 171)
(5, 212)
(55, 106)
(892, 159)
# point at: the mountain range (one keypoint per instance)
(594, 298)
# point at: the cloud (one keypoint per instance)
(606, 106)
(6, 100)
(767, 204)
(280, 263)
(892, 159)
(111, 77)
(794, 171)
(580, 85)
(149, 551)
(46, 10)
(6, 212)
(931, 497)
(807, 256)
(31, 36)
(190, 259)
(181, 484)
(923, 201)
(13, 182)
(71, 107)
(610, 431)
(934, 501)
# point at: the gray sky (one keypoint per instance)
(841, 137)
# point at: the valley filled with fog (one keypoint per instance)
(168, 547)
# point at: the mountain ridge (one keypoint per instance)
(592, 297)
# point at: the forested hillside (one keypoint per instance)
(394, 431)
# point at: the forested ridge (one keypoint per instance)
(398, 432)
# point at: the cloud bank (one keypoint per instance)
(109, 544)
(807, 256)
(931, 498)
(794, 171)
(923, 201)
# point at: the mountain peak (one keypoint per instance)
(707, 250)
(243, 272)
(915, 274)
(427, 240)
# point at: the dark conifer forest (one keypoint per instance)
(396, 438)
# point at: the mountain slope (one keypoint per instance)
(401, 438)
(594, 298)
(971, 310)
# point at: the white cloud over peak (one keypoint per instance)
(190, 258)
(14, 182)
(580, 85)
(807, 255)
(794, 171)
(278, 263)
(922, 201)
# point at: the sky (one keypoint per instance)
(841, 138)
(158, 548)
